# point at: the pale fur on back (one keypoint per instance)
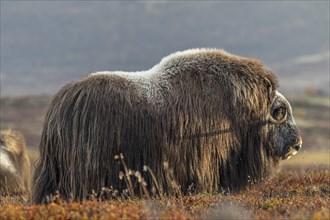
(151, 82)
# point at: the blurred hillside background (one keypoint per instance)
(46, 44)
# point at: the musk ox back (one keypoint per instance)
(14, 164)
(216, 119)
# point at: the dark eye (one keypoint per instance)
(279, 114)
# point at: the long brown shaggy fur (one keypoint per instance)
(206, 118)
(14, 164)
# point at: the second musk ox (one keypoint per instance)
(215, 120)
(14, 164)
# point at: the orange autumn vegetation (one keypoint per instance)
(302, 193)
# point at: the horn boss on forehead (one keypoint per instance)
(207, 114)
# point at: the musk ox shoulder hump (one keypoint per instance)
(199, 59)
(191, 67)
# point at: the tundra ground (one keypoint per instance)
(302, 193)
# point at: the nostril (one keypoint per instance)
(297, 147)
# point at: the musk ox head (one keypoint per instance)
(14, 164)
(286, 134)
(201, 117)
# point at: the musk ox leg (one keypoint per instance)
(43, 184)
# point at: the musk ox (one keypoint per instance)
(14, 164)
(216, 119)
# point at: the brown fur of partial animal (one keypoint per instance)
(18, 182)
(210, 129)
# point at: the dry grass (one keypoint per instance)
(291, 194)
(300, 190)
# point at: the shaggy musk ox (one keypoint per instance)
(216, 119)
(14, 164)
